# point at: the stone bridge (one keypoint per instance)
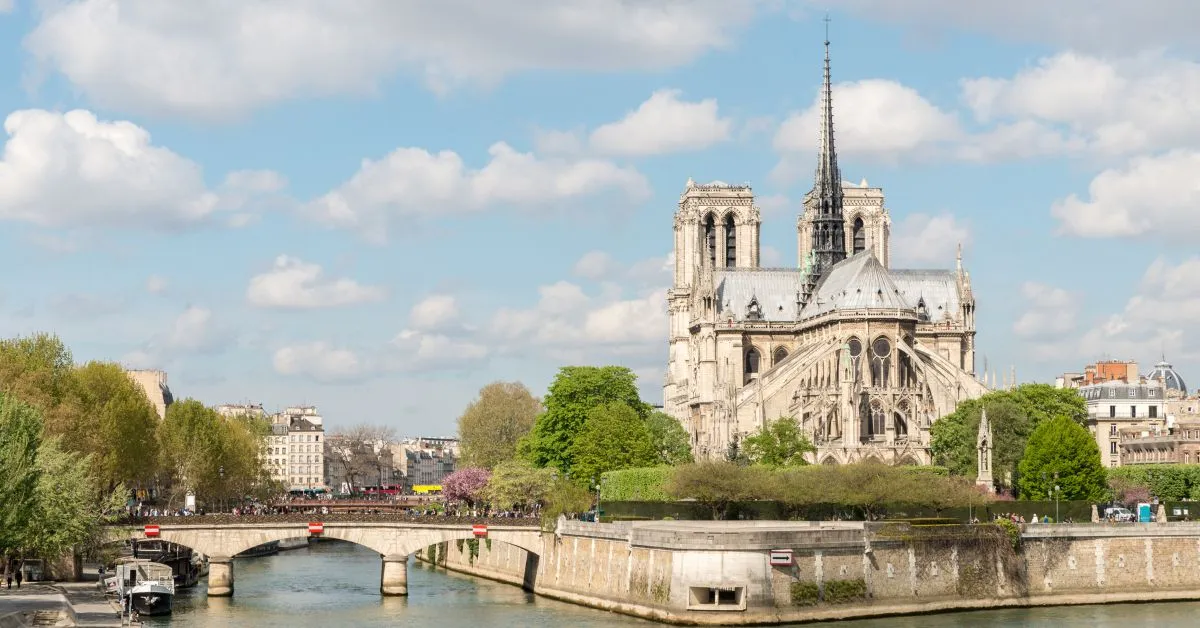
(220, 541)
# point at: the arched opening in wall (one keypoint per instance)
(908, 461)
(829, 460)
(710, 239)
(730, 242)
(876, 418)
(901, 419)
(908, 374)
(781, 354)
(751, 365)
(855, 348)
(881, 362)
(860, 235)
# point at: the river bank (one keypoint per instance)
(60, 604)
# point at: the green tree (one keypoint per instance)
(20, 438)
(780, 443)
(669, 438)
(71, 506)
(1062, 452)
(517, 484)
(613, 437)
(490, 428)
(716, 485)
(123, 423)
(572, 395)
(953, 437)
(40, 371)
(214, 456)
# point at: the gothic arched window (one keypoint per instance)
(902, 412)
(873, 421)
(855, 347)
(752, 363)
(881, 353)
(730, 242)
(860, 236)
(780, 354)
(710, 239)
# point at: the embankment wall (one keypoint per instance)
(720, 573)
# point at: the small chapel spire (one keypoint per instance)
(958, 262)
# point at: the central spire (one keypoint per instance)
(828, 224)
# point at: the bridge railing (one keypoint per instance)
(333, 517)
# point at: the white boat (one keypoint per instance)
(153, 597)
(144, 586)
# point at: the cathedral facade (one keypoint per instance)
(864, 356)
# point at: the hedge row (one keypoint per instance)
(636, 485)
(1167, 482)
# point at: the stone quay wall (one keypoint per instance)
(720, 573)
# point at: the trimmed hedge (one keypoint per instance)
(1167, 482)
(644, 484)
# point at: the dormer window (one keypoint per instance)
(754, 310)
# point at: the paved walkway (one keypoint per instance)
(91, 606)
(51, 604)
(36, 601)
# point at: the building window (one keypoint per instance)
(1112, 447)
(1112, 411)
(881, 352)
(855, 348)
(860, 236)
(752, 359)
(780, 354)
(730, 242)
(1133, 411)
(710, 239)
(1112, 429)
(1154, 412)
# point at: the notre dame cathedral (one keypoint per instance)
(865, 356)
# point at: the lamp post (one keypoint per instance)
(1056, 491)
(221, 474)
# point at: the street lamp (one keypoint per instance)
(221, 474)
(1056, 491)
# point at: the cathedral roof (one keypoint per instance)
(773, 289)
(858, 282)
(938, 289)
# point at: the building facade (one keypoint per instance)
(425, 461)
(296, 448)
(866, 357)
(1177, 444)
(1115, 406)
(1125, 371)
(154, 383)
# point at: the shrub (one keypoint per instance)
(645, 484)
(805, 593)
(1012, 530)
(842, 591)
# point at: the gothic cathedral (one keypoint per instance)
(865, 356)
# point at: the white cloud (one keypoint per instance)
(439, 311)
(925, 239)
(73, 169)
(552, 142)
(411, 182)
(227, 58)
(6, 6)
(1151, 196)
(194, 331)
(425, 351)
(1091, 106)
(770, 257)
(295, 284)
(321, 362)
(156, 284)
(663, 124)
(594, 265)
(1050, 312)
(874, 119)
(568, 324)
(1160, 316)
(1112, 26)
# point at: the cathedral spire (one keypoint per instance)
(828, 232)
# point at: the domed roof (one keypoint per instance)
(1166, 374)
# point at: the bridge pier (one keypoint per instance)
(393, 577)
(220, 576)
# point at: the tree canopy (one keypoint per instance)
(613, 437)
(216, 457)
(1062, 452)
(575, 391)
(779, 443)
(1014, 414)
(669, 438)
(495, 422)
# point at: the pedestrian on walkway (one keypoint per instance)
(19, 576)
(8, 575)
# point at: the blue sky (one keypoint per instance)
(379, 207)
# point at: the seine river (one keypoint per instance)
(337, 584)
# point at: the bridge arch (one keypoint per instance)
(393, 541)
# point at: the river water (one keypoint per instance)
(337, 584)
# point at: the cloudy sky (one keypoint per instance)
(377, 207)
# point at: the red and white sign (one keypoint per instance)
(479, 529)
(781, 558)
(315, 528)
(151, 531)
